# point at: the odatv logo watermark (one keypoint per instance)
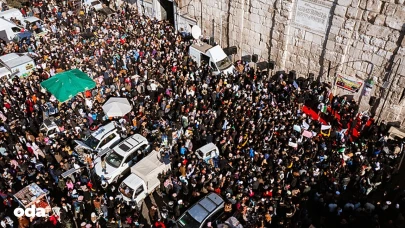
(30, 212)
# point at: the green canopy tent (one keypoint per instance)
(68, 84)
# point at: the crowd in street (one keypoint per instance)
(268, 173)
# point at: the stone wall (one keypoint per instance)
(359, 38)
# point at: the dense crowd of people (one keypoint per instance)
(270, 172)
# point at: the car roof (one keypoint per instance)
(103, 130)
(13, 62)
(132, 182)
(207, 148)
(129, 144)
(31, 19)
(49, 123)
(10, 11)
(205, 207)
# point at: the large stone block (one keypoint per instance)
(382, 53)
(308, 36)
(344, 2)
(317, 39)
(340, 11)
(340, 48)
(357, 66)
(394, 23)
(374, 5)
(254, 18)
(400, 12)
(350, 23)
(334, 30)
(366, 39)
(345, 33)
(393, 35)
(338, 21)
(390, 46)
(377, 60)
(389, 9)
(379, 20)
(330, 46)
(355, 3)
(362, 4)
(377, 30)
(351, 12)
(377, 42)
(368, 48)
(357, 53)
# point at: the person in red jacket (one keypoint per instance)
(160, 224)
(54, 219)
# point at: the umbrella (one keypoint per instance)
(68, 84)
(117, 106)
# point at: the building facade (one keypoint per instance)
(356, 43)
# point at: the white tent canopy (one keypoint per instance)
(117, 106)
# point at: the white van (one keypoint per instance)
(207, 152)
(123, 156)
(8, 30)
(11, 13)
(144, 178)
(97, 5)
(16, 64)
(104, 137)
(204, 53)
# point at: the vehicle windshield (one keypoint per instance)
(92, 142)
(114, 159)
(187, 221)
(224, 64)
(200, 153)
(126, 191)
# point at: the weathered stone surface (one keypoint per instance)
(344, 2)
(382, 53)
(393, 36)
(340, 11)
(377, 60)
(401, 51)
(389, 9)
(350, 24)
(338, 21)
(374, 5)
(355, 3)
(400, 12)
(377, 42)
(330, 46)
(380, 19)
(390, 46)
(351, 12)
(317, 39)
(377, 30)
(394, 23)
(334, 30)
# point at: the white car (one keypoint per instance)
(207, 152)
(97, 5)
(104, 137)
(119, 159)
